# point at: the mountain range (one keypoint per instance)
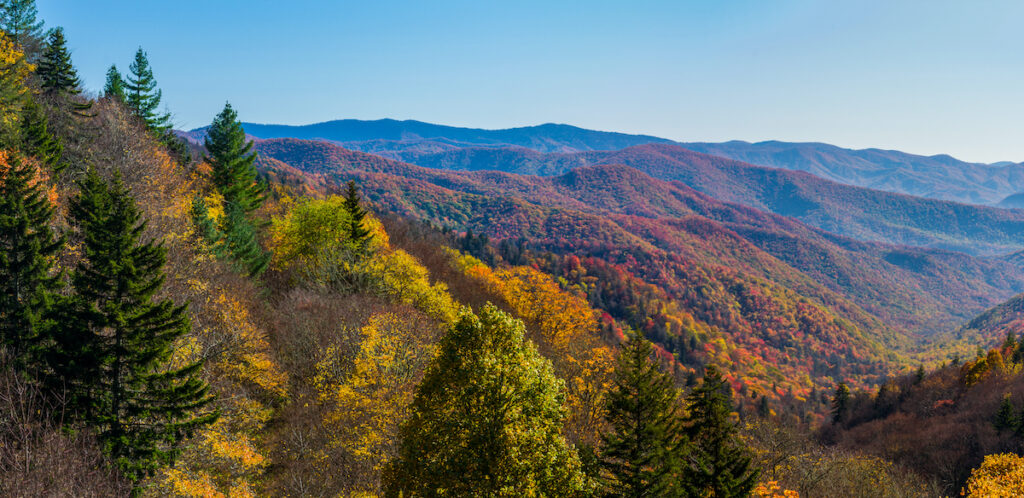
(937, 177)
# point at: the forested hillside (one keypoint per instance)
(231, 318)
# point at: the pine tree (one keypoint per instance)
(19, 21)
(640, 455)
(357, 232)
(919, 375)
(114, 352)
(56, 73)
(28, 248)
(114, 87)
(763, 408)
(1006, 416)
(230, 155)
(143, 97)
(486, 419)
(239, 242)
(718, 464)
(206, 228)
(840, 403)
(36, 139)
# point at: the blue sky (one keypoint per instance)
(926, 77)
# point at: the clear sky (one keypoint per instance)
(927, 76)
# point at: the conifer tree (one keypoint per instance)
(232, 161)
(919, 375)
(1010, 343)
(36, 139)
(718, 464)
(486, 419)
(114, 87)
(28, 248)
(114, 350)
(206, 228)
(640, 455)
(18, 20)
(239, 241)
(357, 232)
(143, 97)
(56, 73)
(1006, 416)
(840, 403)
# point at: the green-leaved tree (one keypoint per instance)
(486, 420)
(114, 86)
(641, 453)
(18, 18)
(113, 352)
(358, 234)
(719, 464)
(143, 97)
(56, 73)
(28, 250)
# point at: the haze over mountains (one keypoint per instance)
(937, 177)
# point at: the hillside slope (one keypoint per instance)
(923, 291)
(857, 212)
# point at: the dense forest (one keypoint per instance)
(215, 318)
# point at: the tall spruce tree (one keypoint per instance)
(357, 232)
(486, 420)
(240, 243)
(718, 464)
(114, 352)
(56, 73)
(19, 20)
(641, 453)
(28, 249)
(840, 403)
(36, 139)
(232, 161)
(143, 97)
(114, 86)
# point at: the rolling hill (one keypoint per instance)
(859, 213)
(597, 210)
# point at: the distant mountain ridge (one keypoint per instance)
(937, 177)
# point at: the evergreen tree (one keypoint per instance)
(719, 464)
(919, 376)
(840, 403)
(763, 408)
(56, 73)
(114, 350)
(1010, 343)
(640, 455)
(240, 242)
(28, 248)
(143, 97)
(1006, 416)
(357, 232)
(114, 87)
(232, 161)
(18, 20)
(36, 139)
(486, 419)
(206, 228)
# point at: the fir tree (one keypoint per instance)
(919, 375)
(719, 464)
(205, 226)
(1010, 343)
(763, 408)
(114, 87)
(28, 248)
(143, 97)
(1006, 416)
(640, 455)
(486, 419)
(36, 139)
(357, 232)
(231, 158)
(19, 20)
(56, 73)
(115, 351)
(240, 242)
(840, 403)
